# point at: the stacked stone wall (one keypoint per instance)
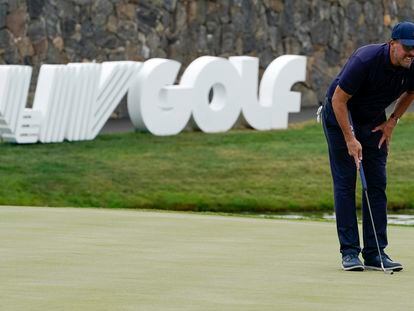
(34, 32)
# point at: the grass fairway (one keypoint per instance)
(93, 259)
(238, 171)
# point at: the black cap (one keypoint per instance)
(404, 32)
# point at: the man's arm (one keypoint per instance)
(339, 103)
(387, 127)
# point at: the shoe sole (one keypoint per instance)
(395, 269)
(354, 268)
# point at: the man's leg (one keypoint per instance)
(374, 161)
(344, 179)
(375, 171)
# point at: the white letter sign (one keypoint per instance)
(154, 104)
(207, 73)
(74, 101)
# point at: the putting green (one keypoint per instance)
(93, 259)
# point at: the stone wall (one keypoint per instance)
(33, 32)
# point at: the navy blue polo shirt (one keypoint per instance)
(373, 82)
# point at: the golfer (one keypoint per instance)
(373, 77)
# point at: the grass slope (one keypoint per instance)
(238, 171)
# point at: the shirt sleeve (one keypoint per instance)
(353, 75)
(411, 79)
(411, 85)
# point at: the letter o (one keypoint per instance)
(216, 73)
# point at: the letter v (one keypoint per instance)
(116, 78)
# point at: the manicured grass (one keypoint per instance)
(100, 259)
(238, 171)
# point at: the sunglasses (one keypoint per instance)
(407, 48)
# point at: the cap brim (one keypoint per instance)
(409, 42)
